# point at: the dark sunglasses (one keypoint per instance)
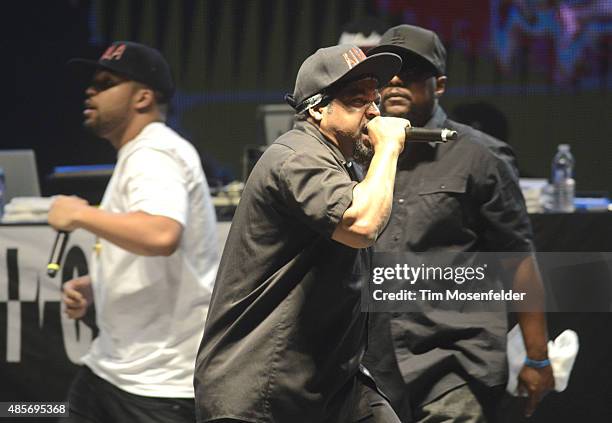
(415, 74)
(105, 83)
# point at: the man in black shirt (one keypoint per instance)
(459, 197)
(285, 335)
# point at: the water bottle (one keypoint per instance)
(562, 180)
(1, 193)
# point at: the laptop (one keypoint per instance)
(20, 174)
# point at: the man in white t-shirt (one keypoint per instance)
(154, 265)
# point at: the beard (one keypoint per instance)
(91, 126)
(103, 125)
(363, 153)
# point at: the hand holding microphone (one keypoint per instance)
(62, 217)
(382, 127)
(387, 132)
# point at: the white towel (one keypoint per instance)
(24, 218)
(562, 353)
(29, 205)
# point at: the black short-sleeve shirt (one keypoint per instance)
(462, 196)
(284, 334)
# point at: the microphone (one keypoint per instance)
(57, 252)
(430, 135)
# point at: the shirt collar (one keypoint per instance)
(438, 118)
(129, 146)
(436, 121)
(312, 130)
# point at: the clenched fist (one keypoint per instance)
(77, 296)
(387, 132)
(64, 212)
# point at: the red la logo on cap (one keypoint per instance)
(353, 56)
(113, 52)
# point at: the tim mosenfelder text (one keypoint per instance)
(458, 275)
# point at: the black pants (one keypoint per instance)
(361, 403)
(94, 400)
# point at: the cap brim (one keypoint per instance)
(405, 53)
(382, 66)
(85, 67)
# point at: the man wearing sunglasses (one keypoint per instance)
(152, 271)
(459, 197)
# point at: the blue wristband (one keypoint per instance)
(536, 364)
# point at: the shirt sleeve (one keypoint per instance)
(316, 189)
(156, 183)
(506, 223)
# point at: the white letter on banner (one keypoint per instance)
(13, 332)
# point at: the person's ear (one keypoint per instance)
(440, 86)
(143, 98)
(316, 113)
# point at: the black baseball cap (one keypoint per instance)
(136, 61)
(413, 44)
(332, 66)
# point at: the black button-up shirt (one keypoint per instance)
(462, 196)
(284, 335)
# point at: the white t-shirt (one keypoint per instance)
(151, 310)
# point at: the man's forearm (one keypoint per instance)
(535, 335)
(137, 232)
(532, 319)
(372, 199)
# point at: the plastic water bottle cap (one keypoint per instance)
(564, 147)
